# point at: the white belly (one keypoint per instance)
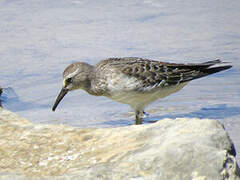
(141, 99)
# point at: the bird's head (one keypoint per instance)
(75, 76)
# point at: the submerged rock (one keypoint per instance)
(0, 96)
(169, 149)
(11, 101)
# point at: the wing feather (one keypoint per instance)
(154, 74)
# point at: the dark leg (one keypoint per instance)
(138, 116)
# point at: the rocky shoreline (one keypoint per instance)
(169, 149)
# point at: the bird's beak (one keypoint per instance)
(62, 93)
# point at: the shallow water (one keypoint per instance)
(40, 38)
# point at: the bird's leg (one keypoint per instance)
(138, 116)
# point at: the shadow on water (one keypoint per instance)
(119, 122)
(11, 101)
(220, 111)
(0, 97)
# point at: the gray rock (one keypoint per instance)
(169, 149)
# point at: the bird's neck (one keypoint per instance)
(87, 84)
(92, 91)
(90, 85)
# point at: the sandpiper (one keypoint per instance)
(133, 81)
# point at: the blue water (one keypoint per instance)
(39, 38)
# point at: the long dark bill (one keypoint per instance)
(62, 93)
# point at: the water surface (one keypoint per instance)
(39, 38)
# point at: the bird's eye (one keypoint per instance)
(69, 80)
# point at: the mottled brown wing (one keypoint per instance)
(160, 74)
